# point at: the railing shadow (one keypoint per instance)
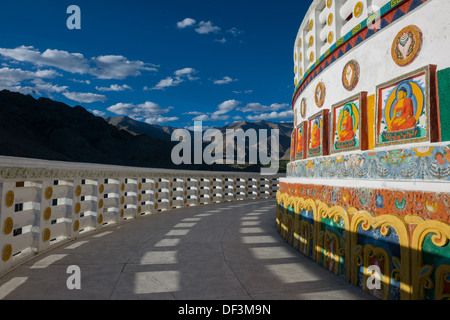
(388, 256)
(222, 252)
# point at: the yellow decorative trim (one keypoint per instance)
(46, 235)
(311, 41)
(330, 37)
(8, 225)
(442, 273)
(76, 226)
(7, 252)
(358, 9)
(369, 252)
(48, 193)
(9, 199)
(338, 213)
(440, 238)
(78, 191)
(47, 214)
(384, 222)
(407, 269)
(78, 208)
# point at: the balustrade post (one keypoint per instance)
(7, 224)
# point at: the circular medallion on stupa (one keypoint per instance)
(350, 75)
(407, 45)
(303, 108)
(319, 95)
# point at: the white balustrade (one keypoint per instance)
(42, 212)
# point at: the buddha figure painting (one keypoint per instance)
(346, 126)
(402, 111)
(346, 131)
(315, 136)
(299, 143)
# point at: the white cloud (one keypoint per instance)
(223, 40)
(185, 23)
(12, 79)
(102, 67)
(225, 80)
(273, 115)
(235, 31)
(18, 75)
(219, 114)
(160, 119)
(207, 27)
(226, 107)
(186, 72)
(40, 85)
(70, 62)
(98, 113)
(81, 81)
(211, 117)
(193, 112)
(180, 76)
(118, 67)
(147, 110)
(84, 97)
(114, 87)
(258, 107)
(246, 92)
(166, 83)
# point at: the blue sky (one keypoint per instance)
(162, 62)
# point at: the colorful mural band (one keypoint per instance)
(411, 252)
(428, 205)
(429, 162)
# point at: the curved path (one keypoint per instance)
(227, 251)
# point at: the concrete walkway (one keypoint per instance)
(226, 251)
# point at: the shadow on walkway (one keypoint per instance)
(228, 251)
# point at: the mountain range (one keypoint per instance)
(45, 129)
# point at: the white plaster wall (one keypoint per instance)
(422, 186)
(374, 57)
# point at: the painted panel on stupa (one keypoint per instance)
(315, 135)
(403, 110)
(346, 125)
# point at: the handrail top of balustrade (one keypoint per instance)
(8, 162)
